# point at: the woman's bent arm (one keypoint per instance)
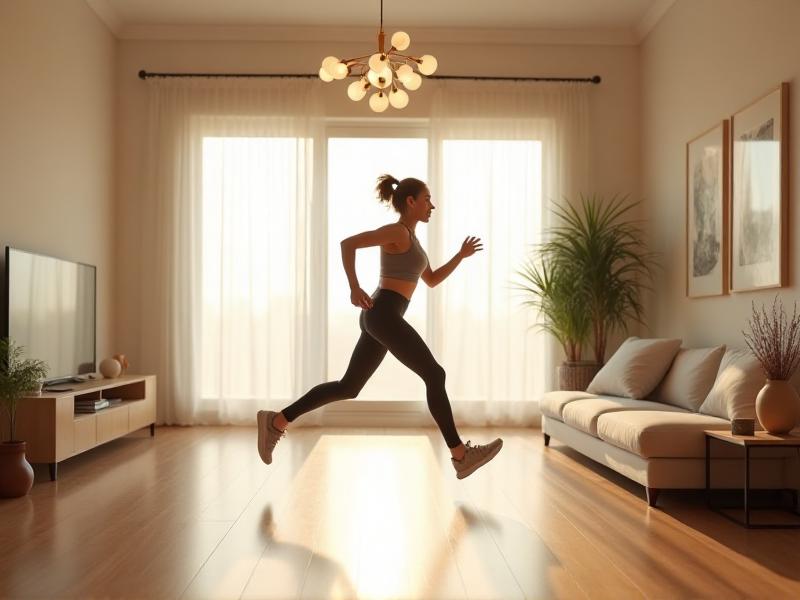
(470, 246)
(349, 262)
(388, 234)
(436, 277)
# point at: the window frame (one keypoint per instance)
(403, 413)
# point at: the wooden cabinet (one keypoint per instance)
(84, 433)
(112, 423)
(54, 432)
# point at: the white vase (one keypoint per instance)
(777, 406)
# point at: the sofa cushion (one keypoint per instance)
(659, 434)
(739, 379)
(553, 403)
(690, 377)
(636, 368)
(583, 414)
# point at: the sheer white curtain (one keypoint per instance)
(500, 153)
(234, 247)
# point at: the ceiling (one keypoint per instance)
(133, 18)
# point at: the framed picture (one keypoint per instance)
(707, 213)
(759, 193)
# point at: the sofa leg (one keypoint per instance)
(652, 495)
(546, 439)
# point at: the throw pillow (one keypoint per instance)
(690, 377)
(738, 382)
(636, 368)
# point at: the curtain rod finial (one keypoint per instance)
(142, 74)
(597, 79)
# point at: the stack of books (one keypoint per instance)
(94, 405)
(90, 406)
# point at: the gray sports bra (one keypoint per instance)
(408, 265)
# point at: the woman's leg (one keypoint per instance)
(365, 359)
(396, 334)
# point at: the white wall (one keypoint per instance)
(57, 122)
(614, 107)
(704, 61)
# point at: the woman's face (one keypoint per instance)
(420, 208)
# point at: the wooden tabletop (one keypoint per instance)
(90, 385)
(760, 438)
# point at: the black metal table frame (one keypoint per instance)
(747, 507)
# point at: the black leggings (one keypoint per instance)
(384, 328)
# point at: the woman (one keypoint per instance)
(403, 262)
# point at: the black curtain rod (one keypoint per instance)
(596, 79)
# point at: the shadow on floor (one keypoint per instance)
(330, 576)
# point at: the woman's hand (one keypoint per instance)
(360, 298)
(470, 246)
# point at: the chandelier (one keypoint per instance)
(386, 72)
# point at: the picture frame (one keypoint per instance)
(760, 193)
(707, 202)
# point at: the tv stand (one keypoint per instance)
(54, 432)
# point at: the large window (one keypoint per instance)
(354, 164)
(248, 266)
(491, 189)
(253, 260)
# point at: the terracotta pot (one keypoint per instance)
(576, 376)
(16, 473)
(777, 406)
(120, 358)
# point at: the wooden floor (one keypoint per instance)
(369, 513)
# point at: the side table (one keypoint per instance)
(761, 439)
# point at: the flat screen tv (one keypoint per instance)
(51, 311)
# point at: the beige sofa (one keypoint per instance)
(658, 440)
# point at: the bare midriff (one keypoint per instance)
(401, 286)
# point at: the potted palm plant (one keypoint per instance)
(611, 260)
(552, 289)
(599, 259)
(18, 377)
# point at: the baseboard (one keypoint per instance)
(415, 414)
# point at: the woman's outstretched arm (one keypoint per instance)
(470, 246)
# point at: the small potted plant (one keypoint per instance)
(775, 341)
(18, 377)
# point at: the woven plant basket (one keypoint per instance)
(576, 376)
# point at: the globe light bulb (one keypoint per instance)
(378, 62)
(324, 75)
(380, 79)
(403, 72)
(401, 40)
(378, 102)
(357, 90)
(428, 64)
(328, 63)
(372, 77)
(398, 98)
(413, 81)
(340, 70)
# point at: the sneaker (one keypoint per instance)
(268, 435)
(475, 457)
